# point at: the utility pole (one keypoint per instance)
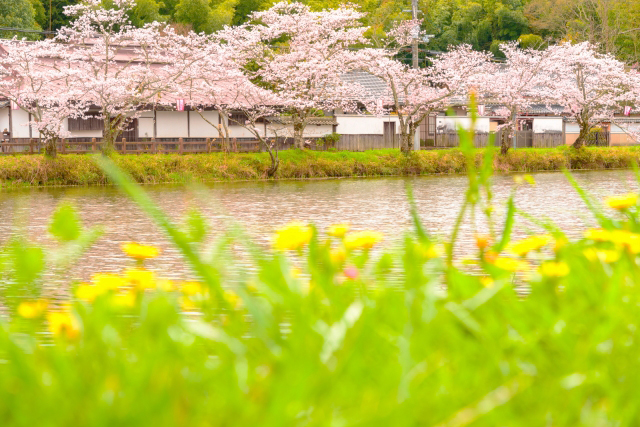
(416, 33)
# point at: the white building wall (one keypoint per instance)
(237, 131)
(311, 131)
(4, 119)
(364, 125)
(547, 124)
(451, 123)
(145, 125)
(20, 124)
(572, 128)
(628, 127)
(199, 128)
(171, 124)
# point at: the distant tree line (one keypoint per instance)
(484, 24)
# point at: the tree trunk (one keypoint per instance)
(275, 161)
(514, 129)
(51, 147)
(226, 138)
(298, 133)
(110, 134)
(582, 138)
(505, 143)
(406, 136)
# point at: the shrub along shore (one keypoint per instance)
(36, 170)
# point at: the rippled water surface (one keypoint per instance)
(261, 207)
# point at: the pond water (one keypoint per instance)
(261, 207)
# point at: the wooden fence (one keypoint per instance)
(193, 145)
(366, 142)
(164, 145)
(524, 139)
(210, 145)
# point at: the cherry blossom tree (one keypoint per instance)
(300, 56)
(416, 93)
(215, 81)
(516, 84)
(124, 69)
(37, 76)
(591, 86)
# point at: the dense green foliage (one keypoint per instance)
(71, 169)
(614, 24)
(322, 331)
(23, 14)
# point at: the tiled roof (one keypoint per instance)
(544, 109)
(541, 109)
(374, 85)
(284, 120)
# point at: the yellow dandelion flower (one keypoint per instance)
(362, 239)
(622, 201)
(233, 299)
(482, 241)
(293, 236)
(192, 288)
(554, 269)
(32, 309)
(108, 281)
(487, 282)
(607, 256)
(126, 299)
(598, 235)
(560, 243)
(338, 255)
(187, 304)
(63, 324)
(628, 240)
(165, 285)
(338, 230)
(533, 243)
(140, 278)
(434, 251)
(295, 272)
(510, 264)
(139, 252)
(88, 293)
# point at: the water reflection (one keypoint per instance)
(260, 207)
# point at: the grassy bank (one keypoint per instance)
(149, 169)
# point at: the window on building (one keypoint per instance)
(91, 122)
(236, 118)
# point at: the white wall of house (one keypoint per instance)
(198, 126)
(237, 131)
(628, 127)
(571, 128)
(311, 131)
(171, 124)
(547, 124)
(451, 123)
(364, 125)
(20, 124)
(4, 119)
(145, 125)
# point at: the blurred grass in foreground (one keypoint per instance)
(317, 337)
